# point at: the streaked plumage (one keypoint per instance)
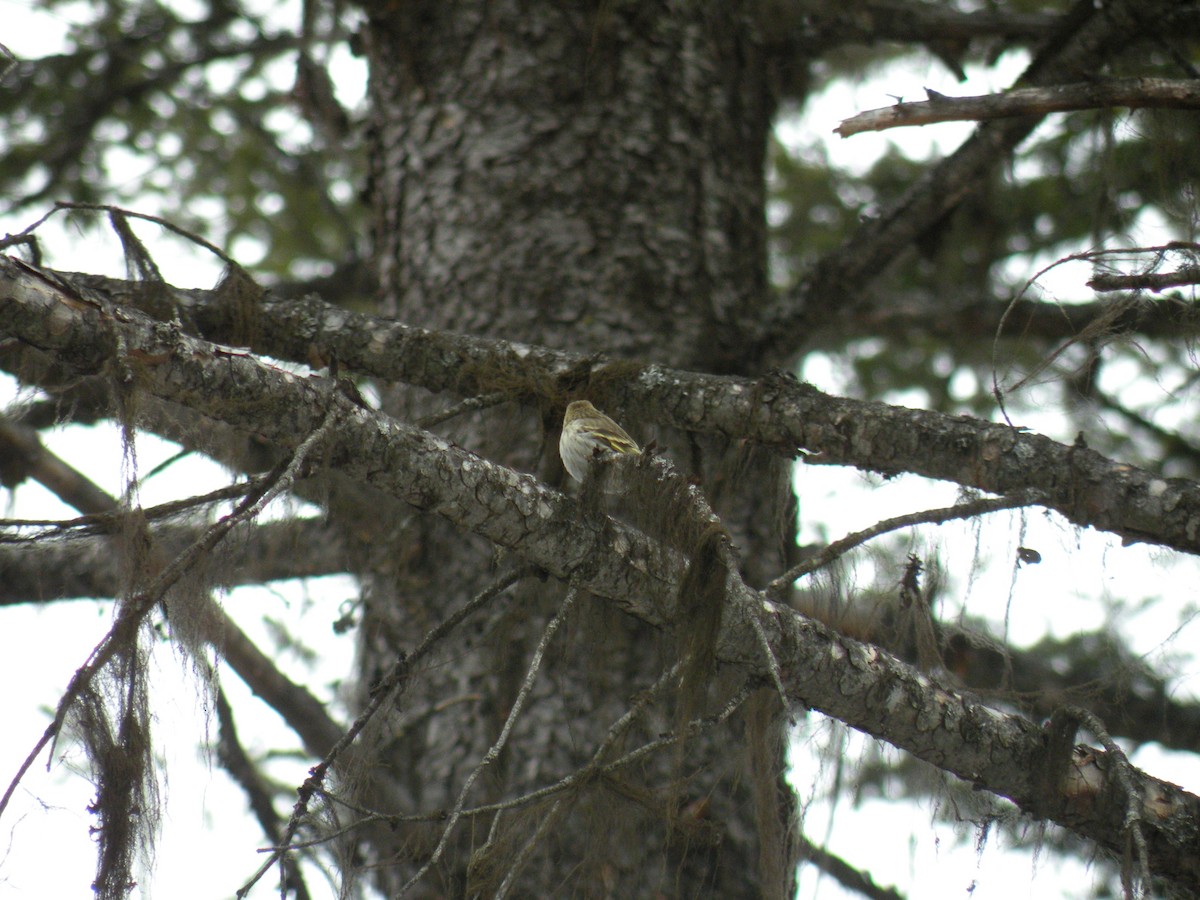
(585, 431)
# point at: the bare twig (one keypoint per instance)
(527, 848)
(1147, 281)
(1033, 101)
(494, 751)
(162, 223)
(110, 521)
(469, 405)
(1095, 327)
(296, 705)
(840, 547)
(596, 767)
(1083, 40)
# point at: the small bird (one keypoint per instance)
(587, 431)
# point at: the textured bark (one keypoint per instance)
(590, 181)
(586, 178)
(859, 684)
(1087, 488)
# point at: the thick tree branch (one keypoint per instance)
(304, 329)
(23, 456)
(1082, 485)
(78, 567)
(1147, 281)
(1154, 93)
(863, 686)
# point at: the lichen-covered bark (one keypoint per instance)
(586, 177)
(859, 684)
(1086, 487)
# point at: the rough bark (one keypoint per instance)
(1094, 793)
(591, 181)
(585, 178)
(775, 412)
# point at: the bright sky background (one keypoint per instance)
(209, 839)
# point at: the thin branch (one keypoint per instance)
(469, 405)
(382, 694)
(132, 613)
(778, 588)
(302, 711)
(493, 752)
(1094, 328)
(182, 232)
(1149, 281)
(236, 761)
(295, 328)
(595, 767)
(109, 520)
(1035, 101)
(1086, 36)
(899, 315)
(550, 818)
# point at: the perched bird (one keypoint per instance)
(587, 431)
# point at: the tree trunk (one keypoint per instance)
(590, 179)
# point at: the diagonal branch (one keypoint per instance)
(971, 509)
(493, 752)
(77, 567)
(302, 711)
(863, 686)
(846, 875)
(302, 330)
